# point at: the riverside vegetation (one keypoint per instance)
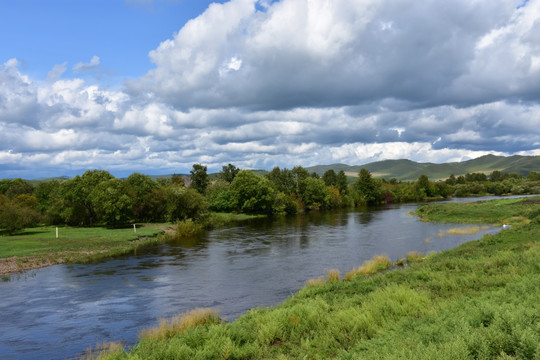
(476, 301)
(101, 206)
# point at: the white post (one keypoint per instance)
(134, 229)
(57, 232)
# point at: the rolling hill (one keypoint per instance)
(408, 170)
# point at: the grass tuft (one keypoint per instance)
(415, 256)
(103, 350)
(180, 323)
(332, 275)
(315, 282)
(377, 264)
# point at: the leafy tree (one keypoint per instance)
(341, 183)
(18, 213)
(184, 203)
(111, 203)
(284, 180)
(14, 187)
(228, 173)
(423, 186)
(251, 193)
(451, 180)
(218, 195)
(284, 203)
(178, 180)
(199, 178)
(78, 207)
(330, 178)
(315, 193)
(367, 189)
(315, 175)
(139, 188)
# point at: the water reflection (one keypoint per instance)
(63, 310)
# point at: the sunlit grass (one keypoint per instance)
(103, 350)
(170, 327)
(332, 275)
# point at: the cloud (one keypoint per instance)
(56, 72)
(343, 53)
(263, 84)
(93, 65)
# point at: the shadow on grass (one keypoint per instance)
(26, 232)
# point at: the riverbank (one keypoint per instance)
(478, 300)
(38, 247)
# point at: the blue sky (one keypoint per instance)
(43, 33)
(155, 86)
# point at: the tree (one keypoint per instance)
(367, 189)
(199, 178)
(184, 203)
(284, 180)
(18, 213)
(341, 183)
(423, 186)
(139, 188)
(78, 207)
(228, 173)
(330, 178)
(251, 193)
(111, 203)
(178, 180)
(315, 193)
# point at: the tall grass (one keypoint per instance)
(376, 264)
(168, 328)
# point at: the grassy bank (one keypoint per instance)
(38, 247)
(477, 301)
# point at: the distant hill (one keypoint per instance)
(408, 170)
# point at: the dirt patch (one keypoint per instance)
(15, 264)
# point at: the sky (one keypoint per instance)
(154, 86)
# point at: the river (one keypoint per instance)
(59, 311)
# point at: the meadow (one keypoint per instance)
(37, 247)
(476, 301)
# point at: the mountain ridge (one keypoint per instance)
(408, 170)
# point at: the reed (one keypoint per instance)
(180, 323)
(332, 275)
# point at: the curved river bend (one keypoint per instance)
(59, 311)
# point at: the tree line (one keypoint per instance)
(98, 198)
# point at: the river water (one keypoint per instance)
(59, 311)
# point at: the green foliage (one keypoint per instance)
(139, 189)
(228, 173)
(184, 203)
(284, 204)
(18, 213)
(251, 193)
(315, 193)
(284, 180)
(367, 190)
(341, 183)
(110, 202)
(14, 187)
(199, 178)
(330, 178)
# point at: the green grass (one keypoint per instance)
(494, 212)
(477, 301)
(37, 247)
